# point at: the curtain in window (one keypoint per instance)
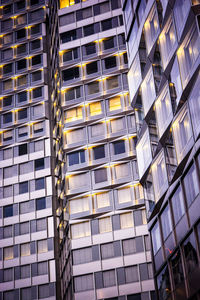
(25, 272)
(82, 256)
(105, 225)
(25, 249)
(24, 228)
(26, 294)
(8, 253)
(95, 109)
(107, 251)
(75, 136)
(115, 103)
(112, 83)
(73, 114)
(78, 181)
(7, 274)
(7, 85)
(103, 200)
(191, 185)
(93, 88)
(7, 231)
(80, 230)
(41, 224)
(83, 283)
(21, 20)
(124, 195)
(126, 220)
(131, 274)
(10, 295)
(79, 205)
(129, 246)
(97, 129)
(42, 246)
(38, 127)
(8, 172)
(44, 291)
(138, 191)
(42, 268)
(117, 125)
(109, 278)
(122, 171)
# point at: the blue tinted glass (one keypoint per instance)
(8, 211)
(40, 203)
(73, 158)
(99, 152)
(23, 187)
(39, 184)
(82, 156)
(119, 147)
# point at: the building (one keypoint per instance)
(72, 217)
(163, 45)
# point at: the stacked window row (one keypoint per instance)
(108, 224)
(18, 6)
(91, 29)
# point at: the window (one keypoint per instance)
(36, 76)
(39, 164)
(163, 108)
(115, 103)
(37, 92)
(93, 88)
(119, 147)
(42, 268)
(117, 125)
(194, 103)
(8, 211)
(78, 181)
(71, 74)
(97, 130)
(23, 187)
(8, 274)
(23, 149)
(188, 54)
(100, 175)
(144, 154)
(20, 5)
(7, 54)
(34, 45)
(10, 295)
(101, 8)
(102, 200)
(182, 132)
(79, 205)
(20, 34)
(156, 240)
(177, 269)
(132, 246)
(89, 49)
(124, 195)
(23, 228)
(82, 256)
(178, 205)
(121, 171)
(167, 41)
(73, 93)
(67, 19)
(71, 54)
(25, 249)
(7, 101)
(73, 114)
(84, 13)
(25, 168)
(39, 184)
(10, 172)
(112, 83)
(23, 114)
(105, 225)
(7, 232)
(41, 225)
(110, 62)
(7, 85)
(131, 274)
(99, 152)
(46, 290)
(22, 97)
(83, 283)
(107, 251)
(8, 253)
(21, 20)
(7, 118)
(21, 49)
(151, 28)
(76, 157)
(36, 29)
(6, 25)
(159, 174)
(7, 191)
(181, 9)
(22, 80)
(36, 60)
(91, 29)
(42, 246)
(126, 220)
(190, 253)
(26, 293)
(75, 136)
(40, 203)
(95, 108)
(146, 271)
(26, 207)
(80, 230)
(166, 222)
(7, 69)
(148, 91)
(133, 36)
(191, 185)
(109, 43)
(109, 278)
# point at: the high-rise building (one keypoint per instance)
(163, 41)
(72, 216)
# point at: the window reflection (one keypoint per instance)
(163, 282)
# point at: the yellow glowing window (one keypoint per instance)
(95, 109)
(73, 114)
(66, 3)
(115, 103)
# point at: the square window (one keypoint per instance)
(39, 164)
(39, 184)
(40, 203)
(99, 152)
(23, 187)
(100, 175)
(119, 147)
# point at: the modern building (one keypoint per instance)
(163, 40)
(72, 216)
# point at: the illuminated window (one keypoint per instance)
(73, 114)
(115, 103)
(80, 230)
(79, 205)
(124, 195)
(8, 253)
(42, 246)
(144, 154)
(105, 225)
(126, 220)
(25, 249)
(151, 28)
(66, 3)
(102, 200)
(148, 91)
(95, 109)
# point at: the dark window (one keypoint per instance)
(84, 13)
(21, 64)
(177, 269)
(110, 62)
(67, 19)
(21, 49)
(35, 29)
(23, 149)
(99, 152)
(36, 76)
(107, 251)
(21, 97)
(7, 9)
(134, 245)
(35, 44)
(92, 68)
(138, 218)
(71, 54)
(7, 101)
(39, 164)
(100, 175)
(8, 211)
(121, 39)
(22, 114)
(7, 118)
(119, 147)
(106, 24)
(125, 58)
(23, 187)
(109, 43)
(71, 74)
(20, 34)
(90, 49)
(20, 5)
(36, 60)
(70, 36)
(34, 2)
(7, 24)
(73, 93)
(76, 157)
(40, 203)
(101, 8)
(115, 4)
(37, 92)
(91, 29)
(163, 282)
(191, 185)
(39, 184)
(190, 253)
(7, 69)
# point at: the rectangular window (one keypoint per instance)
(124, 195)
(95, 108)
(82, 256)
(97, 130)
(151, 28)
(126, 220)
(115, 103)
(78, 181)
(121, 171)
(25, 249)
(8, 211)
(107, 251)
(105, 225)
(109, 278)
(79, 205)
(80, 230)
(119, 147)
(8, 253)
(93, 88)
(117, 125)
(178, 205)
(41, 203)
(73, 114)
(156, 240)
(112, 83)
(100, 175)
(23, 187)
(42, 246)
(39, 184)
(99, 152)
(39, 164)
(191, 185)
(76, 157)
(103, 200)
(75, 136)
(148, 91)
(83, 283)
(131, 274)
